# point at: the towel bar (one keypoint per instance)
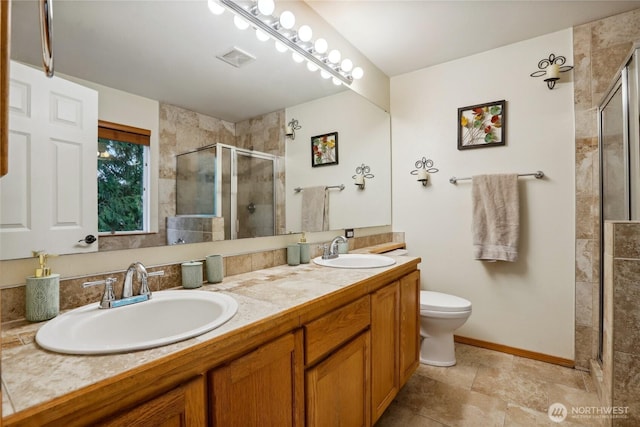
(537, 174)
(341, 187)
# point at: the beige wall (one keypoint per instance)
(527, 304)
(599, 48)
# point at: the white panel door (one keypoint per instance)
(48, 200)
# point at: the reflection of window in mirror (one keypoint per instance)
(123, 177)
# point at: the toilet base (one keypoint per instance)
(438, 350)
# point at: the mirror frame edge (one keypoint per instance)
(5, 10)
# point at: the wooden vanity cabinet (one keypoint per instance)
(183, 406)
(338, 388)
(337, 385)
(263, 388)
(395, 330)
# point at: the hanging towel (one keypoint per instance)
(496, 217)
(315, 209)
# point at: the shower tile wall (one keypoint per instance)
(621, 355)
(599, 48)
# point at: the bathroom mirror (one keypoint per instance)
(167, 51)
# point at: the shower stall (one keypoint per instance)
(619, 148)
(230, 184)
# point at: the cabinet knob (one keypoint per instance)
(88, 239)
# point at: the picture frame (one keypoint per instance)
(482, 125)
(324, 149)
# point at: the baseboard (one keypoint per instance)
(516, 351)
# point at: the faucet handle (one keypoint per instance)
(108, 296)
(144, 285)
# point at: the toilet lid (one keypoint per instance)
(438, 301)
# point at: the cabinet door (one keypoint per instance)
(409, 325)
(384, 347)
(263, 388)
(181, 407)
(337, 389)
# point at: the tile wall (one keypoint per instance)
(599, 48)
(620, 385)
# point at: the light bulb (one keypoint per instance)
(281, 47)
(297, 57)
(346, 65)
(215, 7)
(336, 81)
(334, 56)
(324, 74)
(241, 23)
(266, 7)
(357, 73)
(287, 20)
(305, 33)
(312, 67)
(321, 46)
(261, 35)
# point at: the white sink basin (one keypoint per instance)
(356, 261)
(168, 317)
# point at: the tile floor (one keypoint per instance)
(488, 388)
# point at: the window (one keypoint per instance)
(123, 177)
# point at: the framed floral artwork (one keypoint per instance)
(324, 149)
(481, 125)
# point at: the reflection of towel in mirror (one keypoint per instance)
(315, 209)
(496, 222)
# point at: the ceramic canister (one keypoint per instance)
(293, 254)
(215, 268)
(192, 274)
(42, 298)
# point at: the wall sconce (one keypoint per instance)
(551, 68)
(292, 127)
(424, 167)
(362, 172)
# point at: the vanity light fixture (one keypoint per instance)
(362, 172)
(259, 15)
(424, 167)
(292, 127)
(551, 68)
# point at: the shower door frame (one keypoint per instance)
(631, 154)
(234, 226)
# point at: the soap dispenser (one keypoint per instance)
(42, 295)
(305, 250)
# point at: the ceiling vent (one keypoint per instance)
(236, 57)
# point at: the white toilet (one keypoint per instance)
(440, 315)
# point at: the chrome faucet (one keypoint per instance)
(127, 288)
(108, 297)
(331, 250)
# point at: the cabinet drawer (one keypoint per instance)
(329, 331)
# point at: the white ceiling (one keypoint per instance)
(165, 49)
(403, 36)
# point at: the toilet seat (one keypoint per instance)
(440, 302)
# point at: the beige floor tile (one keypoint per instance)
(511, 387)
(451, 405)
(518, 416)
(399, 416)
(461, 375)
(468, 355)
(549, 372)
(488, 388)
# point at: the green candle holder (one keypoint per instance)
(42, 298)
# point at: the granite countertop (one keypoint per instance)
(31, 375)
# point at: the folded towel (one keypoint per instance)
(315, 209)
(496, 222)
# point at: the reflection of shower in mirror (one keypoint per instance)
(212, 183)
